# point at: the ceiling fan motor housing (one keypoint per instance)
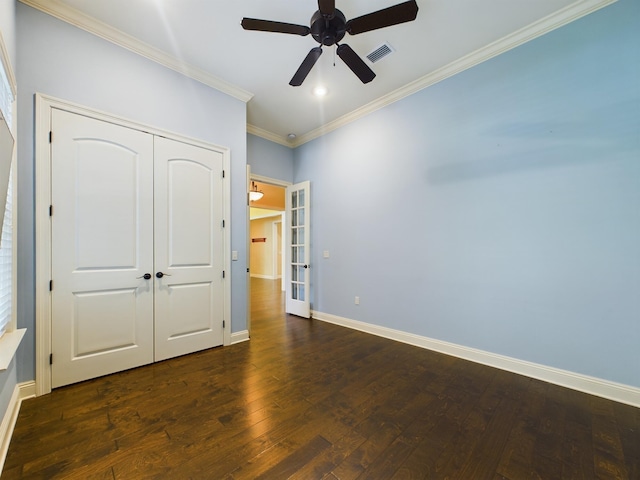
(328, 31)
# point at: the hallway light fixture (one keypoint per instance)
(254, 193)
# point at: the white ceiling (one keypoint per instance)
(205, 38)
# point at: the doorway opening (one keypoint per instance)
(266, 245)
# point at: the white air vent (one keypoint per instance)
(380, 52)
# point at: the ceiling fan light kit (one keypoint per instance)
(328, 26)
(320, 91)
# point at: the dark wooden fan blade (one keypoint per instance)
(277, 27)
(401, 13)
(306, 66)
(355, 63)
(327, 7)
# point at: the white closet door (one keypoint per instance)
(102, 244)
(188, 248)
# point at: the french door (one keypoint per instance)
(298, 252)
(137, 248)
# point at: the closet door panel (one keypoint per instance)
(188, 248)
(102, 244)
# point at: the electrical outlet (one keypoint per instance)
(357, 300)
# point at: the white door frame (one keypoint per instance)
(270, 181)
(274, 249)
(44, 105)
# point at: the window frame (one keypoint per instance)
(10, 340)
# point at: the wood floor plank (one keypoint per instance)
(298, 459)
(321, 466)
(628, 423)
(477, 452)
(306, 400)
(607, 444)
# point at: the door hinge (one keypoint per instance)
(222, 173)
(51, 285)
(223, 274)
(223, 224)
(223, 324)
(51, 359)
(51, 210)
(50, 136)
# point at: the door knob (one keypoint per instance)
(146, 276)
(160, 275)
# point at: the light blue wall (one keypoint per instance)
(498, 209)
(8, 382)
(8, 378)
(65, 62)
(269, 159)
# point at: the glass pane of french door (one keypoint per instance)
(297, 284)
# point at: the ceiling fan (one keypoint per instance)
(329, 26)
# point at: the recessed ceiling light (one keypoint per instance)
(291, 136)
(320, 91)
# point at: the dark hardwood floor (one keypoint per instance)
(305, 399)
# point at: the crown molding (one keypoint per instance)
(267, 135)
(113, 35)
(536, 29)
(545, 25)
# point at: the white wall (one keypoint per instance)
(60, 60)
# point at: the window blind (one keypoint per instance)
(6, 96)
(6, 263)
(6, 247)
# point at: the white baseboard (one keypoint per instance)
(21, 392)
(239, 337)
(583, 383)
(266, 277)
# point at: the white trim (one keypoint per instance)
(21, 392)
(269, 180)
(536, 29)
(8, 69)
(267, 135)
(540, 27)
(9, 343)
(248, 247)
(43, 245)
(239, 337)
(12, 337)
(226, 195)
(265, 277)
(583, 383)
(14, 218)
(80, 20)
(44, 105)
(274, 247)
(266, 215)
